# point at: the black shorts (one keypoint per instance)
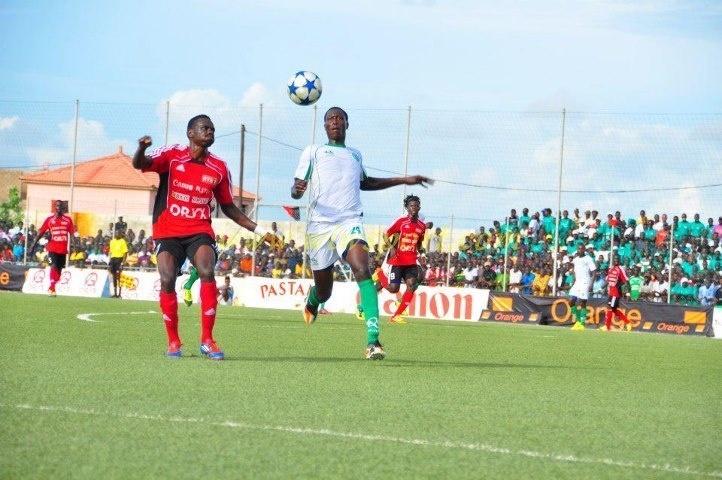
(400, 273)
(185, 247)
(57, 260)
(116, 264)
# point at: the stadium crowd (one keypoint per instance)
(524, 241)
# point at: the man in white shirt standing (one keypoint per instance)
(584, 268)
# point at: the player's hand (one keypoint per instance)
(300, 186)
(419, 180)
(145, 141)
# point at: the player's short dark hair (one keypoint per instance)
(193, 120)
(345, 115)
(411, 198)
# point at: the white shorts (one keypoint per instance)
(580, 290)
(327, 242)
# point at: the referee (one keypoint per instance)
(118, 255)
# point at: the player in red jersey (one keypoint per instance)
(616, 278)
(190, 178)
(61, 230)
(403, 257)
(382, 274)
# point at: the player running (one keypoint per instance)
(616, 278)
(61, 230)
(401, 262)
(584, 268)
(190, 177)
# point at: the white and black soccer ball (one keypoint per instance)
(304, 88)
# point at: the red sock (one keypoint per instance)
(405, 301)
(209, 302)
(54, 277)
(608, 319)
(620, 314)
(169, 308)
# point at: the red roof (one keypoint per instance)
(110, 171)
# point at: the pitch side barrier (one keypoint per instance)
(644, 316)
(12, 276)
(434, 303)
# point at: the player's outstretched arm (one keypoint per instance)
(374, 183)
(140, 159)
(234, 213)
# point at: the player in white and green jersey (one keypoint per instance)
(334, 176)
(584, 267)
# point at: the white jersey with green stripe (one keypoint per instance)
(334, 174)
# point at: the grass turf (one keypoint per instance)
(95, 397)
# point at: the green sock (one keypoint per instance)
(583, 315)
(312, 300)
(370, 305)
(192, 279)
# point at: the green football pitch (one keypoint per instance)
(87, 392)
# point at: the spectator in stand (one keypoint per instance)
(275, 231)
(6, 251)
(660, 222)
(548, 223)
(646, 291)
(662, 237)
(566, 225)
(706, 292)
(717, 230)
(635, 284)
(540, 284)
(534, 226)
(277, 271)
(434, 244)
(681, 228)
(697, 228)
(471, 275)
(515, 276)
(584, 221)
(718, 291)
(62, 231)
(121, 225)
(77, 257)
(527, 279)
(225, 292)
(246, 265)
(642, 219)
(660, 289)
(18, 248)
(599, 285)
(524, 221)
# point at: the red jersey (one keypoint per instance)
(61, 228)
(411, 234)
(616, 277)
(183, 203)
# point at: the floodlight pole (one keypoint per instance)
(559, 207)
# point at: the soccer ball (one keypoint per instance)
(304, 88)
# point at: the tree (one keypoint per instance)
(12, 210)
